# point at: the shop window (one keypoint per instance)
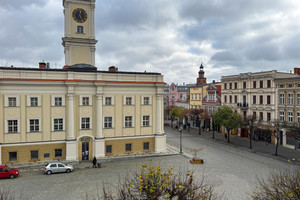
(128, 147)
(34, 154)
(146, 145)
(58, 152)
(108, 148)
(12, 156)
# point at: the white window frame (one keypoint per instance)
(142, 120)
(290, 117)
(281, 116)
(6, 102)
(90, 123)
(85, 96)
(132, 121)
(63, 124)
(108, 96)
(290, 99)
(33, 96)
(63, 100)
(7, 126)
(143, 100)
(112, 122)
(28, 125)
(125, 103)
(281, 99)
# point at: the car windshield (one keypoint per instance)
(8, 168)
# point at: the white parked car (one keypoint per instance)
(57, 168)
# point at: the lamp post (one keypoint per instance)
(180, 130)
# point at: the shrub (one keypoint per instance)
(154, 183)
(279, 185)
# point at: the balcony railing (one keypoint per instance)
(242, 105)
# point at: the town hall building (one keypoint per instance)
(78, 112)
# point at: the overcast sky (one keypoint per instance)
(172, 37)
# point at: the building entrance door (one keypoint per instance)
(85, 150)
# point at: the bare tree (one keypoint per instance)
(278, 125)
(251, 122)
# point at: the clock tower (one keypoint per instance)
(79, 39)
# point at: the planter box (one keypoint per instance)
(196, 161)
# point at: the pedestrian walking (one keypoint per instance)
(225, 136)
(95, 162)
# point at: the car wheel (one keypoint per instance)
(49, 172)
(12, 176)
(68, 170)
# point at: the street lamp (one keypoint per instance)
(180, 130)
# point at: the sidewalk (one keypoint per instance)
(38, 166)
(284, 153)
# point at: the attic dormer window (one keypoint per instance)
(79, 29)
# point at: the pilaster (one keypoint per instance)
(70, 129)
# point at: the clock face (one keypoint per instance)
(79, 15)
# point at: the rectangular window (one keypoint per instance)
(34, 125)
(290, 85)
(225, 86)
(79, 29)
(225, 99)
(128, 101)
(58, 101)
(254, 115)
(281, 99)
(46, 155)
(281, 115)
(33, 101)
(34, 154)
(85, 101)
(254, 99)
(58, 152)
(196, 96)
(230, 85)
(254, 84)
(230, 99)
(261, 99)
(269, 99)
(261, 115)
(128, 147)
(290, 96)
(244, 85)
(146, 146)
(192, 96)
(108, 101)
(261, 84)
(108, 149)
(235, 85)
(85, 123)
(12, 101)
(146, 100)
(58, 124)
(235, 98)
(12, 156)
(268, 83)
(12, 126)
(128, 121)
(107, 122)
(298, 118)
(199, 96)
(281, 86)
(268, 116)
(298, 99)
(146, 121)
(290, 117)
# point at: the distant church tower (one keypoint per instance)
(201, 80)
(79, 40)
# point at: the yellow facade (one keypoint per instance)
(196, 96)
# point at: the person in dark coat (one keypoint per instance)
(95, 162)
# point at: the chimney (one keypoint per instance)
(297, 70)
(214, 81)
(42, 65)
(112, 69)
